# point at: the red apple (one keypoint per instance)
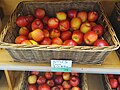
(60, 87)
(118, 78)
(26, 42)
(43, 87)
(72, 13)
(35, 72)
(92, 16)
(46, 33)
(74, 81)
(41, 80)
(101, 43)
(110, 76)
(66, 76)
(82, 15)
(23, 31)
(70, 43)
(58, 79)
(32, 79)
(30, 18)
(61, 15)
(66, 85)
(64, 25)
(37, 24)
(50, 83)
(113, 83)
(32, 87)
(76, 88)
(118, 87)
(46, 41)
(66, 35)
(77, 36)
(90, 37)
(53, 23)
(54, 33)
(85, 27)
(57, 41)
(21, 21)
(37, 35)
(39, 13)
(74, 74)
(20, 39)
(58, 73)
(45, 20)
(48, 75)
(93, 24)
(75, 23)
(55, 88)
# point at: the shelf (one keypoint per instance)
(111, 65)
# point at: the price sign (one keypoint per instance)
(61, 65)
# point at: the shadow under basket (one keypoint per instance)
(46, 53)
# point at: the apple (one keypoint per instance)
(46, 33)
(53, 23)
(46, 41)
(72, 13)
(35, 72)
(33, 42)
(48, 75)
(101, 43)
(58, 73)
(93, 24)
(37, 35)
(57, 41)
(69, 42)
(20, 39)
(90, 37)
(50, 82)
(74, 81)
(98, 29)
(37, 24)
(76, 88)
(66, 76)
(32, 79)
(113, 83)
(21, 21)
(92, 16)
(45, 20)
(58, 79)
(77, 36)
(44, 87)
(64, 25)
(66, 35)
(54, 33)
(61, 16)
(85, 27)
(39, 13)
(74, 74)
(30, 18)
(82, 15)
(118, 78)
(23, 31)
(26, 42)
(75, 23)
(110, 76)
(60, 87)
(41, 80)
(30, 36)
(32, 87)
(118, 87)
(66, 85)
(55, 88)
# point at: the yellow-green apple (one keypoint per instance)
(90, 37)
(75, 23)
(37, 24)
(32, 79)
(82, 15)
(101, 43)
(46, 41)
(66, 76)
(61, 15)
(58, 80)
(37, 35)
(66, 84)
(72, 13)
(98, 29)
(92, 16)
(26, 42)
(39, 13)
(20, 39)
(54, 33)
(65, 35)
(85, 27)
(23, 31)
(46, 33)
(53, 23)
(33, 42)
(57, 41)
(69, 42)
(77, 36)
(74, 81)
(76, 88)
(64, 25)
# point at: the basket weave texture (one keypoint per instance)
(40, 53)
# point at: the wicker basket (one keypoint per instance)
(41, 54)
(24, 84)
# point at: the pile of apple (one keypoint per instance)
(53, 81)
(69, 28)
(114, 81)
